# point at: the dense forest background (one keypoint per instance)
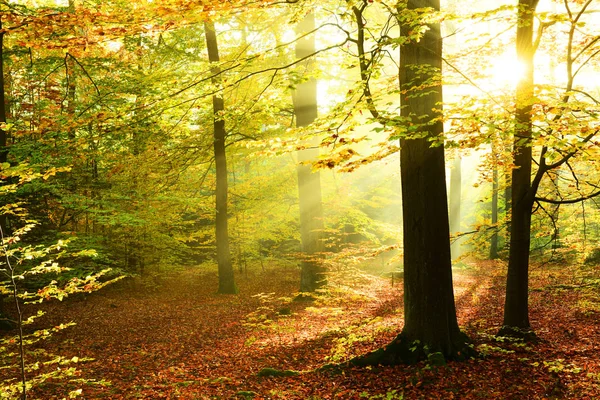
(322, 144)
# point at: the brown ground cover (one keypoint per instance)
(174, 338)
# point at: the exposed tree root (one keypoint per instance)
(304, 296)
(403, 351)
(266, 372)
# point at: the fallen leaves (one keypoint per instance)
(184, 341)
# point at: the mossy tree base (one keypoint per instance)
(273, 372)
(305, 297)
(524, 334)
(228, 290)
(402, 351)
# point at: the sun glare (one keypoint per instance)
(113, 45)
(506, 70)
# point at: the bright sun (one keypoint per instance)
(506, 70)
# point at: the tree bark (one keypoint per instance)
(430, 326)
(429, 309)
(226, 278)
(516, 306)
(309, 182)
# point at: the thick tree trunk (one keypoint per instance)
(309, 182)
(226, 278)
(429, 310)
(430, 325)
(516, 307)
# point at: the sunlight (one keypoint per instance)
(506, 70)
(113, 45)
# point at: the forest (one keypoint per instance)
(299, 199)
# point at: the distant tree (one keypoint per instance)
(494, 238)
(4, 321)
(309, 182)
(455, 203)
(226, 276)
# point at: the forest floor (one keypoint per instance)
(174, 338)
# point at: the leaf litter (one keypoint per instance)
(180, 340)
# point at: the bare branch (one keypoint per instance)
(570, 154)
(364, 63)
(568, 201)
(583, 64)
(84, 71)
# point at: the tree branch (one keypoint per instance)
(568, 201)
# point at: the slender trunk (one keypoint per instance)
(309, 181)
(555, 213)
(455, 203)
(226, 278)
(4, 322)
(507, 208)
(3, 134)
(494, 239)
(516, 306)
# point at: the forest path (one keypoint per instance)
(175, 338)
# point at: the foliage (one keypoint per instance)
(21, 269)
(109, 148)
(221, 364)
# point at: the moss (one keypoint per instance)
(436, 359)
(285, 311)
(246, 394)
(514, 333)
(402, 351)
(265, 372)
(305, 297)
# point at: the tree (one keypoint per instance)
(516, 312)
(226, 278)
(309, 181)
(455, 202)
(430, 325)
(494, 238)
(430, 319)
(561, 141)
(4, 321)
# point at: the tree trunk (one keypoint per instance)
(3, 135)
(516, 306)
(430, 325)
(429, 310)
(556, 213)
(309, 182)
(455, 203)
(226, 278)
(4, 322)
(507, 207)
(494, 238)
